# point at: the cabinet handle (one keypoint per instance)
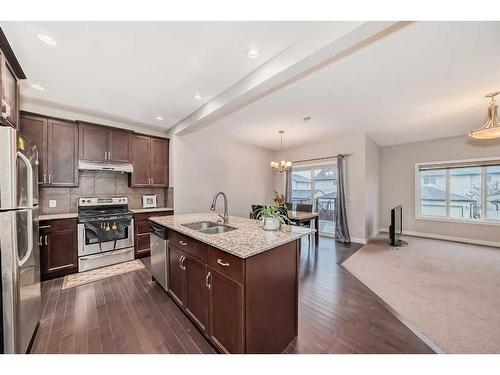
(109, 155)
(222, 263)
(152, 181)
(50, 178)
(182, 243)
(207, 283)
(181, 263)
(44, 178)
(46, 241)
(44, 226)
(40, 241)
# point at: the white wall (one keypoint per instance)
(205, 163)
(397, 179)
(355, 174)
(372, 188)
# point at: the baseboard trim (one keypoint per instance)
(359, 240)
(448, 238)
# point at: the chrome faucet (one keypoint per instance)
(224, 218)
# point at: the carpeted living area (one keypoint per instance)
(447, 292)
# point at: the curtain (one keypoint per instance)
(288, 186)
(341, 227)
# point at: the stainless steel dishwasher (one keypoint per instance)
(159, 254)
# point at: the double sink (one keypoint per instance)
(209, 227)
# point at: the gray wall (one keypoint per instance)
(94, 183)
(397, 182)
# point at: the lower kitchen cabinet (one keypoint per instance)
(58, 248)
(226, 313)
(240, 305)
(141, 230)
(196, 295)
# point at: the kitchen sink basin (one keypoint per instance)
(200, 225)
(209, 227)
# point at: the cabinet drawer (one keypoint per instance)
(227, 264)
(194, 248)
(57, 224)
(142, 227)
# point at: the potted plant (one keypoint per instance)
(272, 216)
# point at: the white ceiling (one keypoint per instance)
(424, 81)
(138, 70)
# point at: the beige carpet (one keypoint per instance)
(449, 292)
(86, 277)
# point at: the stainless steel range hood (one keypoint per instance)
(109, 167)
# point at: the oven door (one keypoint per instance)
(88, 242)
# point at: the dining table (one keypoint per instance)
(298, 217)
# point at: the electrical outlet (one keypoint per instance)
(52, 203)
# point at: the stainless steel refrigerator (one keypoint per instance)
(19, 242)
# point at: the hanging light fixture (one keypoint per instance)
(491, 128)
(283, 165)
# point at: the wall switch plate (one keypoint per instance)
(52, 203)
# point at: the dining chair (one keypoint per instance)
(255, 210)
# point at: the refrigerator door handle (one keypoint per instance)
(30, 240)
(29, 170)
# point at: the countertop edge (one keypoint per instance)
(189, 233)
(45, 217)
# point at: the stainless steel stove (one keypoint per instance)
(105, 232)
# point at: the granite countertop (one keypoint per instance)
(70, 215)
(249, 239)
(156, 209)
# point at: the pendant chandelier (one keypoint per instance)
(283, 165)
(491, 128)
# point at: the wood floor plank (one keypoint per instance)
(130, 313)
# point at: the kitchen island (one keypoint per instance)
(239, 287)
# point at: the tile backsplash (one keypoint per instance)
(96, 183)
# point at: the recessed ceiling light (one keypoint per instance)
(307, 119)
(253, 53)
(37, 87)
(47, 39)
(159, 118)
(198, 97)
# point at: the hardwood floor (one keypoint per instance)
(129, 313)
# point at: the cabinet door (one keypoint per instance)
(159, 162)
(35, 129)
(196, 302)
(118, 146)
(62, 151)
(10, 93)
(176, 275)
(226, 313)
(139, 156)
(58, 252)
(93, 142)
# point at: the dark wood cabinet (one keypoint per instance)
(10, 74)
(93, 142)
(141, 229)
(196, 291)
(139, 155)
(240, 305)
(226, 313)
(149, 156)
(103, 144)
(58, 248)
(176, 276)
(118, 146)
(57, 143)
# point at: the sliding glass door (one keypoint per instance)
(317, 186)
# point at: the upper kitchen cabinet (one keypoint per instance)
(149, 156)
(103, 144)
(57, 143)
(10, 74)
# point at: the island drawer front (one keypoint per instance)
(189, 245)
(227, 264)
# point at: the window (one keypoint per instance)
(462, 190)
(317, 185)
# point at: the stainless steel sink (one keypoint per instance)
(200, 225)
(209, 227)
